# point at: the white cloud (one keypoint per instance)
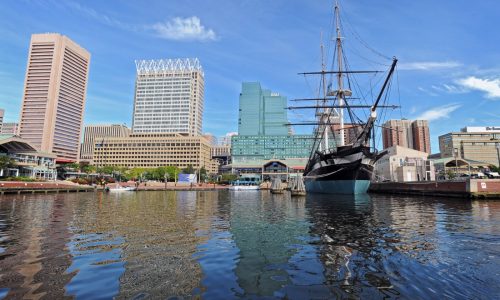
(175, 29)
(490, 86)
(184, 29)
(430, 93)
(429, 65)
(440, 112)
(450, 88)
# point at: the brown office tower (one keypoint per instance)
(54, 95)
(351, 131)
(421, 139)
(397, 132)
(407, 133)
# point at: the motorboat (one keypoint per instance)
(119, 188)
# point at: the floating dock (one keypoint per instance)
(470, 188)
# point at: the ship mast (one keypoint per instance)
(340, 92)
(326, 112)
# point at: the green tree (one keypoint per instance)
(173, 172)
(106, 170)
(87, 168)
(74, 166)
(136, 173)
(203, 173)
(228, 177)
(494, 168)
(188, 170)
(6, 162)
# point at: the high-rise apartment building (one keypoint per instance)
(54, 95)
(397, 132)
(95, 133)
(168, 96)
(407, 133)
(262, 112)
(351, 132)
(421, 138)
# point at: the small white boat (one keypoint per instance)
(121, 189)
(244, 188)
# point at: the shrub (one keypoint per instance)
(20, 178)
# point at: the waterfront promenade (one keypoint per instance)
(471, 188)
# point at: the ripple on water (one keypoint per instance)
(96, 260)
(220, 245)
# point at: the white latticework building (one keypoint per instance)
(169, 96)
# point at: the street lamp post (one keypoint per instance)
(497, 145)
(166, 178)
(455, 150)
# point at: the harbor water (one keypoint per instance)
(247, 245)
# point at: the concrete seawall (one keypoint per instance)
(16, 187)
(470, 188)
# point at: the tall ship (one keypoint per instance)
(343, 155)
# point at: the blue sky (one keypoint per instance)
(448, 50)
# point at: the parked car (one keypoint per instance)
(492, 174)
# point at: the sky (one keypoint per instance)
(448, 51)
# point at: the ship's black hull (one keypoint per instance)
(348, 178)
(347, 171)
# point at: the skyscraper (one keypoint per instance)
(408, 134)
(262, 112)
(397, 132)
(263, 131)
(351, 131)
(168, 96)
(54, 95)
(421, 138)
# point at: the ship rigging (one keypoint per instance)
(341, 163)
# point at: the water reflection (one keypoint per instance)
(34, 259)
(157, 239)
(409, 247)
(227, 245)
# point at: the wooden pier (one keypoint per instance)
(9, 187)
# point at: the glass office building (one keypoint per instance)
(263, 130)
(262, 112)
(258, 147)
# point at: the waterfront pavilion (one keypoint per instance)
(457, 166)
(267, 169)
(28, 161)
